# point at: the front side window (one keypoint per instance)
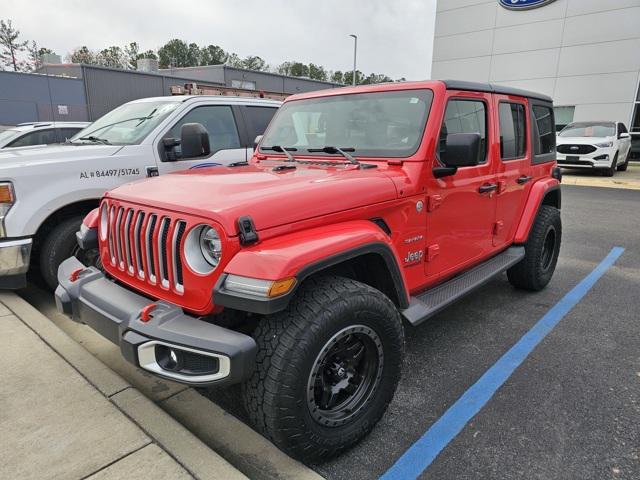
(622, 128)
(546, 138)
(219, 122)
(466, 116)
(512, 131)
(258, 119)
(38, 137)
(381, 124)
(128, 124)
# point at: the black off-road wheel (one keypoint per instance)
(535, 270)
(60, 244)
(327, 368)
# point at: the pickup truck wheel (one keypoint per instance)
(59, 245)
(326, 368)
(535, 270)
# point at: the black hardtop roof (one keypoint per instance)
(492, 88)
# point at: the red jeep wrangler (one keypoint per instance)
(363, 210)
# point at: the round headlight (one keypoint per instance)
(104, 221)
(203, 249)
(211, 246)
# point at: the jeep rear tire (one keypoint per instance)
(326, 369)
(535, 270)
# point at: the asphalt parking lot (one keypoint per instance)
(570, 410)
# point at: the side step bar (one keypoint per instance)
(427, 304)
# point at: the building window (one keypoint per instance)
(244, 84)
(564, 116)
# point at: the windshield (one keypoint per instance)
(589, 130)
(128, 124)
(7, 135)
(380, 124)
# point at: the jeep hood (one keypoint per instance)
(270, 197)
(17, 157)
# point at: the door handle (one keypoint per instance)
(487, 187)
(523, 179)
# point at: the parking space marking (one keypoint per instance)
(422, 453)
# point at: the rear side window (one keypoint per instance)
(512, 131)
(466, 116)
(38, 137)
(257, 120)
(545, 140)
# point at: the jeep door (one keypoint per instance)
(227, 138)
(461, 207)
(514, 165)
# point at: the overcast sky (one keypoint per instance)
(395, 37)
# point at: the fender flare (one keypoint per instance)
(305, 253)
(539, 192)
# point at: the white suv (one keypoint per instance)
(45, 192)
(602, 146)
(39, 133)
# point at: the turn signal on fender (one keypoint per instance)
(6, 193)
(280, 287)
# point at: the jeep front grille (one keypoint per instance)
(146, 245)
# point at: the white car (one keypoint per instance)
(602, 146)
(39, 133)
(45, 192)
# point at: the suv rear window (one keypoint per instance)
(545, 140)
(380, 124)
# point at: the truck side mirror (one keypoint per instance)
(459, 150)
(194, 141)
(257, 141)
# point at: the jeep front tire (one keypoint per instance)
(326, 369)
(535, 270)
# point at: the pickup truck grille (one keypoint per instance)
(147, 245)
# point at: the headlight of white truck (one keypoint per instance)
(7, 199)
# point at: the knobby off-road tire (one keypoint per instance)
(535, 270)
(335, 329)
(60, 244)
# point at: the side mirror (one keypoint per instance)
(257, 141)
(462, 150)
(624, 135)
(194, 141)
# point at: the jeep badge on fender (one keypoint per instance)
(295, 273)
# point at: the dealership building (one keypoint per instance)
(585, 54)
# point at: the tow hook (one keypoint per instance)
(75, 274)
(145, 313)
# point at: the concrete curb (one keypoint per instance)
(190, 452)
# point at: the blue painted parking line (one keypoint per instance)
(422, 453)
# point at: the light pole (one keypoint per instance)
(355, 52)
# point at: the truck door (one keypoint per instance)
(514, 173)
(461, 207)
(221, 121)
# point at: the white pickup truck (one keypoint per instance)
(45, 192)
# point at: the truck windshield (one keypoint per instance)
(128, 124)
(588, 130)
(377, 124)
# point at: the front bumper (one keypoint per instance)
(213, 355)
(14, 263)
(600, 159)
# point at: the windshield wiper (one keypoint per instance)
(95, 139)
(285, 150)
(333, 150)
(90, 135)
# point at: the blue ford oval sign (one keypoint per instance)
(523, 4)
